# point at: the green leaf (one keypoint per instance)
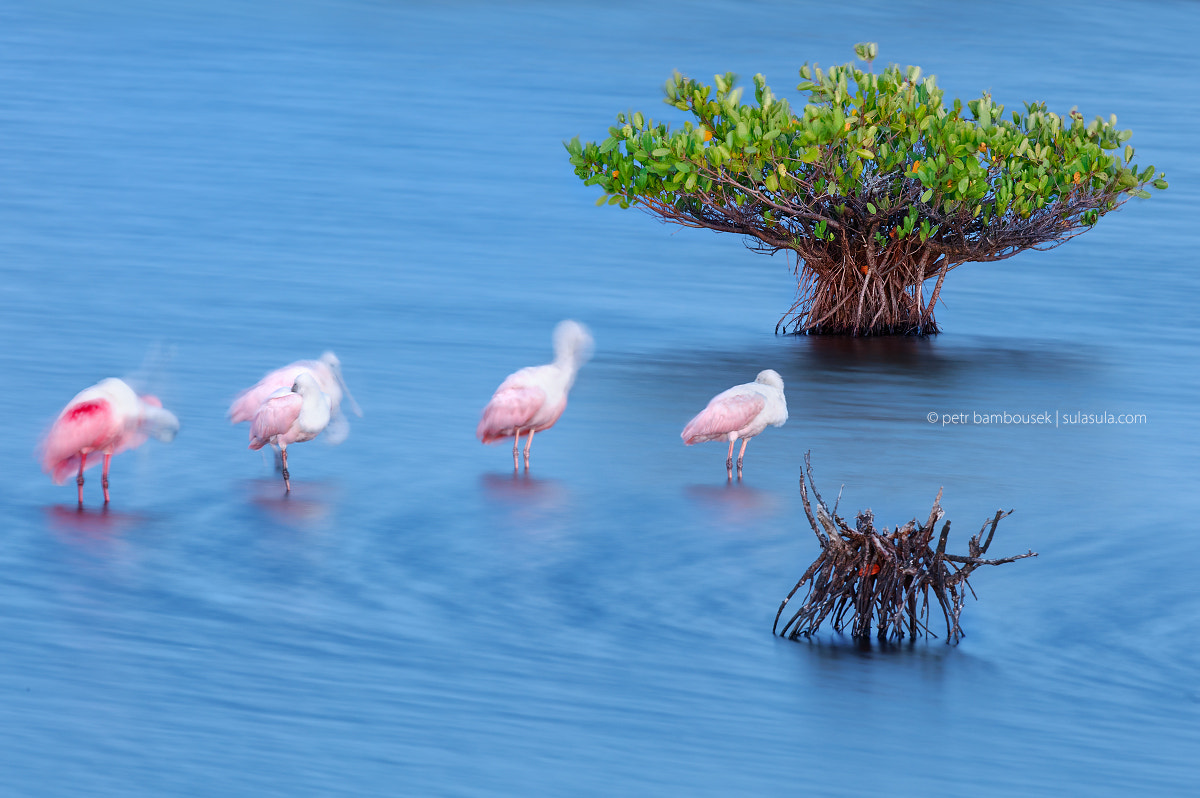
(601, 201)
(973, 159)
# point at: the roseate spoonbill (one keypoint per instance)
(107, 418)
(291, 416)
(743, 411)
(532, 399)
(327, 370)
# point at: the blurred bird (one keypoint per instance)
(327, 371)
(291, 415)
(743, 411)
(532, 399)
(107, 418)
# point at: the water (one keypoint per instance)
(196, 194)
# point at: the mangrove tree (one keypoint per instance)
(877, 187)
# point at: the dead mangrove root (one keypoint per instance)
(866, 579)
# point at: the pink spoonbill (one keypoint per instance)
(743, 411)
(291, 415)
(532, 399)
(326, 370)
(105, 419)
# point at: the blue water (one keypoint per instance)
(192, 194)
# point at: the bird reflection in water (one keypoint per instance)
(524, 496)
(306, 504)
(92, 524)
(733, 503)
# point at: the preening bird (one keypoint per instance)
(532, 399)
(291, 415)
(743, 411)
(327, 371)
(105, 419)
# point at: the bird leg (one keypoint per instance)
(517, 448)
(528, 443)
(79, 479)
(729, 459)
(104, 476)
(287, 482)
(741, 454)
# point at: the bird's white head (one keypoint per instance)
(162, 424)
(335, 366)
(155, 420)
(770, 377)
(305, 384)
(572, 343)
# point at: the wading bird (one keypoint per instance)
(327, 371)
(105, 419)
(532, 399)
(743, 411)
(291, 415)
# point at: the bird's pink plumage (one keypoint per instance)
(248, 401)
(512, 408)
(724, 414)
(275, 418)
(89, 425)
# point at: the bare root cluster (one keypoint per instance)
(868, 579)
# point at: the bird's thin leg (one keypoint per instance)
(729, 459)
(278, 460)
(528, 443)
(287, 482)
(104, 476)
(741, 454)
(516, 449)
(79, 479)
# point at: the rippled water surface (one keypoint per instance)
(192, 194)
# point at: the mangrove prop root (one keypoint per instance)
(868, 579)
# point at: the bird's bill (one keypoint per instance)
(354, 408)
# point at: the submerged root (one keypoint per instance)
(867, 579)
